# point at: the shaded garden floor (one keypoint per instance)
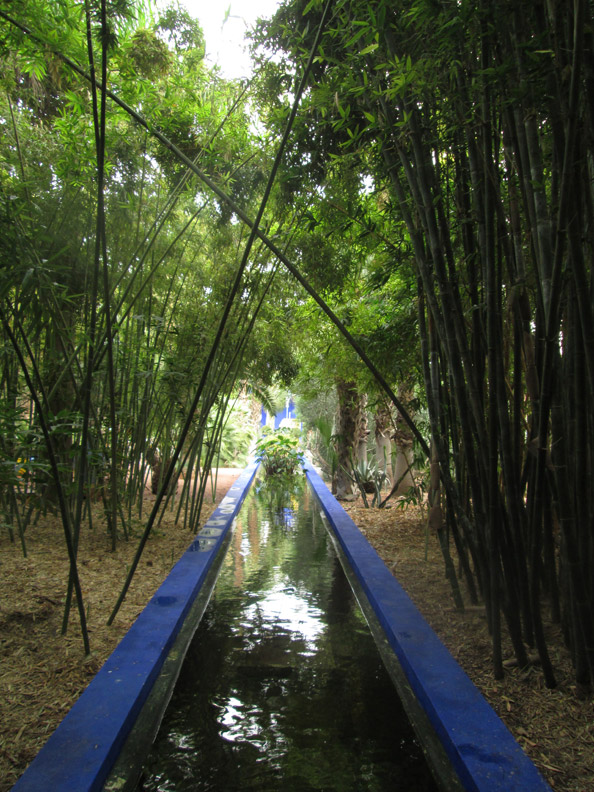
(42, 673)
(555, 727)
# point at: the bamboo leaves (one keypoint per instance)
(92, 311)
(475, 139)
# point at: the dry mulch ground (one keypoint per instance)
(42, 673)
(555, 727)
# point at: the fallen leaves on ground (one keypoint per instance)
(554, 727)
(42, 672)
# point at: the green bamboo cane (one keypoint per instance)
(223, 321)
(54, 467)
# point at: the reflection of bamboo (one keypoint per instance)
(254, 533)
(237, 558)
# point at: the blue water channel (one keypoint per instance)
(282, 687)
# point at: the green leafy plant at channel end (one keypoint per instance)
(279, 453)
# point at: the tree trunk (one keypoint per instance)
(348, 433)
(383, 443)
(362, 431)
(403, 440)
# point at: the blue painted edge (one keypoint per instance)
(480, 747)
(80, 753)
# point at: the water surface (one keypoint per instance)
(282, 687)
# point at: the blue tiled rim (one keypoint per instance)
(482, 751)
(80, 753)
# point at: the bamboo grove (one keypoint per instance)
(473, 122)
(110, 295)
(476, 118)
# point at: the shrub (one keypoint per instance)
(369, 479)
(279, 453)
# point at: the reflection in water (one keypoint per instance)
(282, 687)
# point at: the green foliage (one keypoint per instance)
(236, 436)
(19, 450)
(323, 445)
(279, 453)
(147, 55)
(112, 288)
(434, 184)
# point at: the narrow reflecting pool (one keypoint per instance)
(282, 687)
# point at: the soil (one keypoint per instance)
(43, 672)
